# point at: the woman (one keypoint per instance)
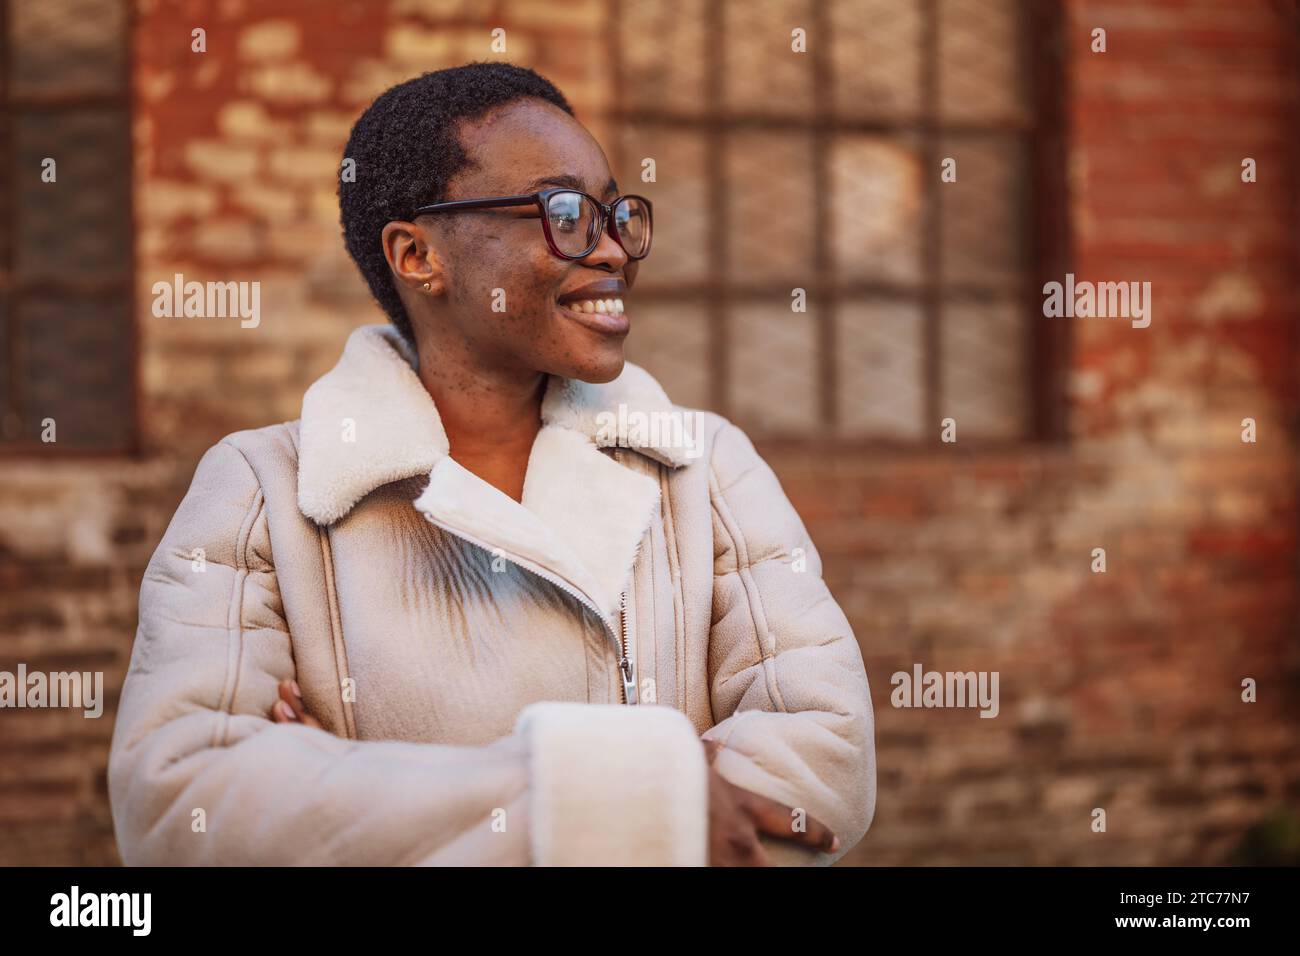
(505, 621)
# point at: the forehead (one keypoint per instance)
(515, 144)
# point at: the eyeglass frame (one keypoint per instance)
(540, 199)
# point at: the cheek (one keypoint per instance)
(531, 287)
(525, 289)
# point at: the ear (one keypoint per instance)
(412, 257)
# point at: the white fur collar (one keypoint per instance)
(370, 421)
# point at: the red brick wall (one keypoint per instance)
(1119, 690)
(238, 156)
(237, 152)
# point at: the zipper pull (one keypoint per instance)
(628, 670)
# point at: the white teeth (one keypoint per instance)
(602, 306)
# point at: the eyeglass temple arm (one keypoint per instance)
(476, 203)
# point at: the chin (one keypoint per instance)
(597, 368)
(591, 345)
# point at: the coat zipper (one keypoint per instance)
(626, 668)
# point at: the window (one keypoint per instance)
(777, 170)
(66, 323)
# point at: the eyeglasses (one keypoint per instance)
(572, 221)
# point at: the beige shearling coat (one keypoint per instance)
(501, 682)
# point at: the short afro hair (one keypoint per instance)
(406, 147)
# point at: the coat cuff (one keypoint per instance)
(615, 785)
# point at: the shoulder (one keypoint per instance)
(266, 448)
(725, 474)
(743, 490)
(240, 485)
(719, 451)
(252, 464)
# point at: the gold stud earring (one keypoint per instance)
(427, 287)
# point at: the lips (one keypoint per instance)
(601, 289)
(597, 305)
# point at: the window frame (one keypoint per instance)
(1047, 343)
(13, 289)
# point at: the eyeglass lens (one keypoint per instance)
(575, 224)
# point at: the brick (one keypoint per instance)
(228, 240)
(250, 120)
(270, 203)
(579, 14)
(305, 164)
(165, 201)
(330, 127)
(220, 161)
(412, 44)
(270, 40)
(287, 83)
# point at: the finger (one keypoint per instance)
(291, 694)
(778, 820)
(288, 697)
(282, 713)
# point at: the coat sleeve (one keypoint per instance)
(787, 682)
(199, 774)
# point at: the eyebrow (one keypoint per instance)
(570, 182)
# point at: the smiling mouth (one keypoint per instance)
(603, 315)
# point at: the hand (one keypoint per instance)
(737, 816)
(290, 709)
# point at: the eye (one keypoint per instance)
(565, 211)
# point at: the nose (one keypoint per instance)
(609, 252)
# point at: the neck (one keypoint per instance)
(486, 410)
